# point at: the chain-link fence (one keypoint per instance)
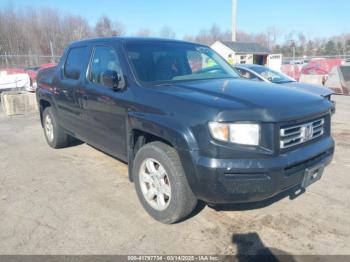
(24, 61)
(308, 58)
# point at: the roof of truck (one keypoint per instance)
(127, 39)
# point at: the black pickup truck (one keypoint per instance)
(189, 128)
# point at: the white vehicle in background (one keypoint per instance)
(20, 81)
(297, 62)
(265, 74)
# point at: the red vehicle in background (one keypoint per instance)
(318, 67)
(31, 71)
(321, 66)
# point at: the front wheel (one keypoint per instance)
(161, 184)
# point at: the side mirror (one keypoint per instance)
(112, 79)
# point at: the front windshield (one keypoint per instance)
(164, 62)
(271, 75)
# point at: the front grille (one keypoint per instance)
(298, 134)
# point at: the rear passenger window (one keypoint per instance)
(75, 62)
(104, 60)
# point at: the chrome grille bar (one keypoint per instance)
(298, 134)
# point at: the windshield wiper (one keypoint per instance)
(284, 82)
(163, 84)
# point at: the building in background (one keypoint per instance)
(248, 53)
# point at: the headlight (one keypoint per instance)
(239, 133)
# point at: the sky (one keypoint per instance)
(316, 18)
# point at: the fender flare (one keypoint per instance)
(177, 135)
(45, 96)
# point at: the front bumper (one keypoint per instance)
(222, 181)
(334, 107)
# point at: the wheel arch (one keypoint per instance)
(43, 104)
(145, 129)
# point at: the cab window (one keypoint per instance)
(75, 62)
(104, 59)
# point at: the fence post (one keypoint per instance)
(52, 56)
(7, 62)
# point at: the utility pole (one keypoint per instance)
(234, 20)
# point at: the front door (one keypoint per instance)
(104, 107)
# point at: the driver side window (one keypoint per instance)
(105, 59)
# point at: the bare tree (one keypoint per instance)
(302, 38)
(106, 27)
(167, 32)
(76, 28)
(310, 48)
(244, 37)
(272, 35)
(209, 36)
(215, 32)
(189, 38)
(31, 30)
(144, 32)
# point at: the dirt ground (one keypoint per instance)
(79, 201)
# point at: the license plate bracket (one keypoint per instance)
(312, 175)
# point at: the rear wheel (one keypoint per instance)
(161, 184)
(55, 136)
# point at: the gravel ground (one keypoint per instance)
(79, 201)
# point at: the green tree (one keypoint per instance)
(300, 50)
(310, 48)
(330, 48)
(347, 46)
(277, 49)
(340, 48)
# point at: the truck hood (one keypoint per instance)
(313, 89)
(248, 100)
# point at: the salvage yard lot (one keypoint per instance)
(79, 201)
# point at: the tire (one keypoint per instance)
(55, 136)
(179, 200)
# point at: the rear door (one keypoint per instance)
(70, 80)
(104, 108)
